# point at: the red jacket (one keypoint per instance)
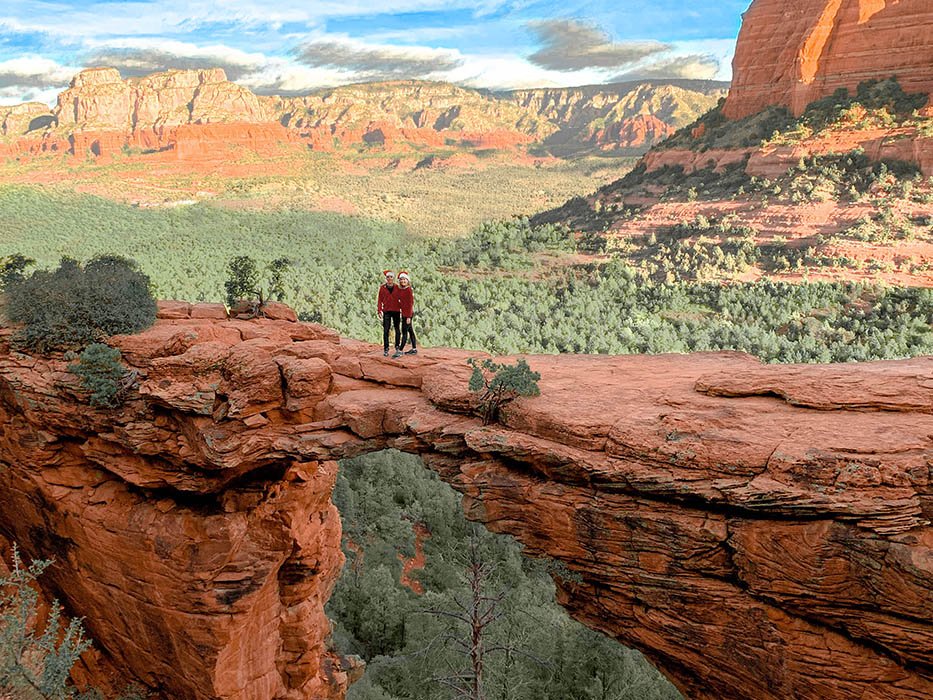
(407, 299)
(389, 299)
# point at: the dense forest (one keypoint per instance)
(507, 288)
(410, 635)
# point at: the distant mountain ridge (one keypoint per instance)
(147, 112)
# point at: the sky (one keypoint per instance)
(294, 46)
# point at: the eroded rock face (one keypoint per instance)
(99, 99)
(792, 52)
(758, 531)
(17, 120)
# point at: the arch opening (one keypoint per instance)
(417, 581)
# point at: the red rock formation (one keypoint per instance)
(792, 52)
(212, 141)
(185, 141)
(758, 531)
(98, 99)
(97, 143)
(17, 120)
(904, 144)
(637, 131)
(502, 139)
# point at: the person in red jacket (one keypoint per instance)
(389, 310)
(407, 299)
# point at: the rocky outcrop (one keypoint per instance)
(758, 531)
(897, 144)
(632, 133)
(99, 99)
(193, 113)
(792, 52)
(18, 120)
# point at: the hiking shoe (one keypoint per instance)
(398, 353)
(413, 351)
(385, 353)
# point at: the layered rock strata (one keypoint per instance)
(792, 52)
(100, 114)
(758, 531)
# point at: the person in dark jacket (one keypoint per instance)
(389, 310)
(407, 301)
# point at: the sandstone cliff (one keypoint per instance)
(18, 120)
(99, 99)
(758, 531)
(148, 112)
(620, 116)
(792, 52)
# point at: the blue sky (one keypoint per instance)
(293, 46)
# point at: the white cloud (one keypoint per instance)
(169, 17)
(571, 45)
(722, 50)
(511, 72)
(695, 67)
(34, 72)
(32, 79)
(17, 94)
(364, 61)
(283, 77)
(141, 56)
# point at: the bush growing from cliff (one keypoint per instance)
(36, 653)
(713, 130)
(35, 664)
(73, 305)
(878, 102)
(242, 279)
(873, 95)
(102, 374)
(498, 384)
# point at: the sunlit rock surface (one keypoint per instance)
(792, 52)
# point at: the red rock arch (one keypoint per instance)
(758, 531)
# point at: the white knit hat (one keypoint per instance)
(404, 276)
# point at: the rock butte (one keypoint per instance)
(758, 531)
(792, 52)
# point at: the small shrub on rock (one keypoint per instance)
(74, 305)
(242, 280)
(13, 269)
(36, 653)
(102, 374)
(245, 293)
(34, 664)
(498, 384)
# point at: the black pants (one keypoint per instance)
(390, 318)
(408, 332)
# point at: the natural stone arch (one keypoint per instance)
(757, 531)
